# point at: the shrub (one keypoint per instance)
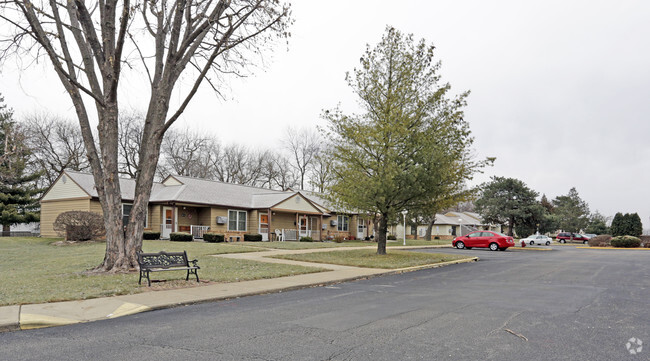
(213, 237)
(600, 241)
(436, 237)
(306, 239)
(150, 235)
(391, 237)
(180, 237)
(626, 242)
(251, 237)
(79, 226)
(338, 239)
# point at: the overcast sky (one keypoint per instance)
(560, 90)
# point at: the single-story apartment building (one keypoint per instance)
(193, 205)
(448, 224)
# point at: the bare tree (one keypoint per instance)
(303, 145)
(87, 43)
(284, 178)
(322, 169)
(187, 153)
(56, 144)
(131, 124)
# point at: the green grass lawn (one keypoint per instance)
(314, 245)
(32, 270)
(369, 258)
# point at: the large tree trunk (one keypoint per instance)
(381, 237)
(427, 236)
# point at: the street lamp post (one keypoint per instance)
(404, 214)
(460, 227)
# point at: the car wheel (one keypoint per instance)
(532, 243)
(548, 243)
(563, 241)
(460, 245)
(494, 246)
(585, 242)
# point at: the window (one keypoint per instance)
(126, 212)
(237, 221)
(343, 223)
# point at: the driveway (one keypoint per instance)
(565, 304)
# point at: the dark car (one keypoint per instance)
(485, 239)
(564, 237)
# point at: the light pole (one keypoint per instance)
(460, 227)
(404, 214)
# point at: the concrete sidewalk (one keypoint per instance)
(63, 313)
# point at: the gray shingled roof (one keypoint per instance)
(194, 190)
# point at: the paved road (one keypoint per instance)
(567, 304)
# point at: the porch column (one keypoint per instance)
(297, 227)
(174, 218)
(269, 225)
(320, 228)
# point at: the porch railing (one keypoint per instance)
(197, 231)
(293, 235)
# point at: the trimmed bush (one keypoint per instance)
(150, 235)
(626, 242)
(306, 239)
(180, 237)
(213, 237)
(391, 237)
(251, 237)
(600, 241)
(79, 226)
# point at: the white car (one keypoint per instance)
(538, 239)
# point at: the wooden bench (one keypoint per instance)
(166, 261)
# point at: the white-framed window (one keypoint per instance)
(343, 223)
(126, 212)
(237, 220)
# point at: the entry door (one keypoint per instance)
(361, 229)
(313, 228)
(168, 222)
(303, 227)
(264, 226)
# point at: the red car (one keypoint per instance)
(565, 237)
(484, 239)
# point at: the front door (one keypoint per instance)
(361, 229)
(264, 227)
(303, 227)
(168, 222)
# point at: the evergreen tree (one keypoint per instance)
(636, 227)
(17, 186)
(618, 225)
(597, 224)
(572, 211)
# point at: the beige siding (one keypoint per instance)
(187, 216)
(171, 181)
(205, 217)
(218, 212)
(155, 214)
(51, 210)
(298, 204)
(253, 222)
(65, 190)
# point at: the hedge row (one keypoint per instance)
(213, 237)
(180, 237)
(150, 235)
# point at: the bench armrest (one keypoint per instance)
(194, 262)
